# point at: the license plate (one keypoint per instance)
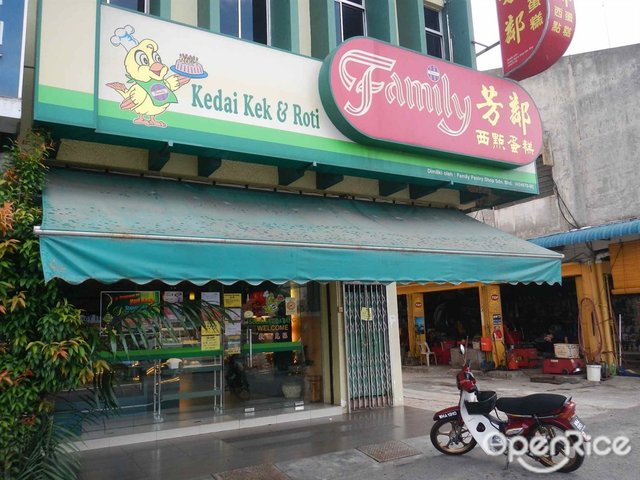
(577, 423)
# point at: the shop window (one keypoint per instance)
(248, 19)
(268, 356)
(137, 5)
(350, 19)
(433, 32)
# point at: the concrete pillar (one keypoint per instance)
(395, 354)
(339, 359)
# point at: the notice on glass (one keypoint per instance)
(210, 337)
(366, 314)
(210, 342)
(233, 331)
(212, 298)
(291, 306)
(169, 298)
(233, 300)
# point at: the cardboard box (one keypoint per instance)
(566, 350)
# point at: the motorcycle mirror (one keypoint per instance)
(462, 350)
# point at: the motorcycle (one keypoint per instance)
(542, 426)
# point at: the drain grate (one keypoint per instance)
(266, 471)
(385, 452)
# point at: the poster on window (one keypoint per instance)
(210, 337)
(119, 310)
(291, 306)
(210, 332)
(233, 331)
(169, 299)
(419, 327)
(212, 298)
(232, 300)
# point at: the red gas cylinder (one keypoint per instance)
(485, 344)
(512, 361)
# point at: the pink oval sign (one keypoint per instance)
(379, 94)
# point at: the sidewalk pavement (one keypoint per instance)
(374, 444)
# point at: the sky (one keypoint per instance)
(600, 24)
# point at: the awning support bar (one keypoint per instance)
(274, 243)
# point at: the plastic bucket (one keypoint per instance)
(593, 373)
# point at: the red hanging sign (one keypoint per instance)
(534, 34)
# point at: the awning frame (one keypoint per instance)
(39, 231)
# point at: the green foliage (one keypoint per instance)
(146, 325)
(44, 347)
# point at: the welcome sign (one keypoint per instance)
(380, 94)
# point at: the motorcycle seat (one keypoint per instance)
(536, 404)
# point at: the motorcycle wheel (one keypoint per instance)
(451, 437)
(554, 458)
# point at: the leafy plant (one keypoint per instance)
(146, 326)
(44, 346)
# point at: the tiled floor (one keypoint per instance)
(201, 456)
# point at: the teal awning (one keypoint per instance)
(113, 227)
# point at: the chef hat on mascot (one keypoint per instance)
(123, 36)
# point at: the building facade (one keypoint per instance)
(254, 155)
(590, 213)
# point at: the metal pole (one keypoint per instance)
(38, 231)
(250, 349)
(620, 340)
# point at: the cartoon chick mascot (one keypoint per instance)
(151, 93)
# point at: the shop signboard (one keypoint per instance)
(13, 15)
(201, 93)
(534, 34)
(385, 95)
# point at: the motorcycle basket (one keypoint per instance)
(486, 402)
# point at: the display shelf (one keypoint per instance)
(161, 354)
(166, 397)
(273, 347)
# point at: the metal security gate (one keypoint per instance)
(367, 346)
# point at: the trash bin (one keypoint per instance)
(315, 388)
(593, 372)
